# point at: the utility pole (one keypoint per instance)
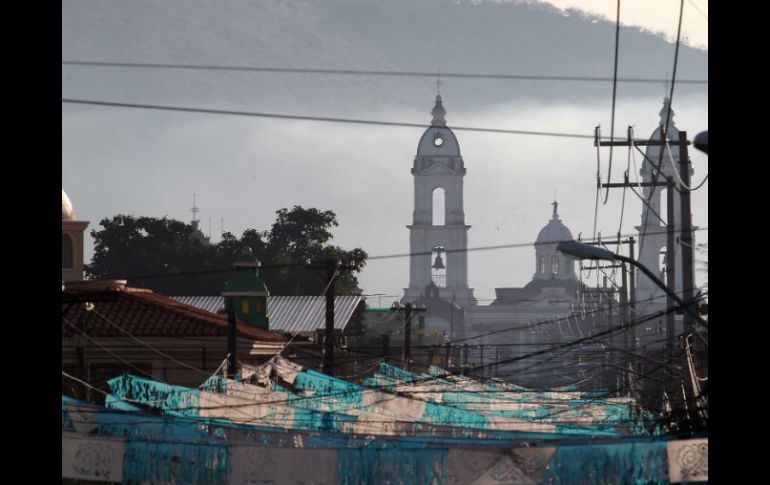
(682, 143)
(420, 329)
(670, 268)
(624, 302)
(231, 342)
(632, 289)
(332, 268)
(408, 310)
(328, 363)
(625, 313)
(688, 266)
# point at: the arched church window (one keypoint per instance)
(542, 264)
(66, 252)
(554, 264)
(439, 207)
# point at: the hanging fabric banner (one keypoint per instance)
(518, 466)
(92, 458)
(688, 460)
(252, 465)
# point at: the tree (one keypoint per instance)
(144, 250)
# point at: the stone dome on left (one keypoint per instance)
(67, 212)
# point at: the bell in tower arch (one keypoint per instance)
(438, 263)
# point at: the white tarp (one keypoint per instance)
(688, 460)
(91, 457)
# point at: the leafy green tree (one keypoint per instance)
(145, 250)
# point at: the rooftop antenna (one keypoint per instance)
(222, 226)
(209, 227)
(194, 210)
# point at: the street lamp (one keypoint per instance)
(584, 251)
(701, 142)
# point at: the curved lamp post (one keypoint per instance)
(584, 251)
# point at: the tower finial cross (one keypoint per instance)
(438, 81)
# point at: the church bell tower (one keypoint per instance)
(438, 235)
(652, 230)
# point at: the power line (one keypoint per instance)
(545, 322)
(698, 9)
(316, 118)
(671, 159)
(95, 342)
(362, 72)
(142, 342)
(566, 345)
(368, 259)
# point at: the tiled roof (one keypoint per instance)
(292, 314)
(143, 313)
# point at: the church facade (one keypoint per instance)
(555, 305)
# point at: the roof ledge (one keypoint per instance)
(101, 285)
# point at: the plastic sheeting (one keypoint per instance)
(185, 454)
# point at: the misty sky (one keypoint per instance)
(143, 162)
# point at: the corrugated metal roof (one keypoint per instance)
(292, 314)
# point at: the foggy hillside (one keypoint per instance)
(424, 35)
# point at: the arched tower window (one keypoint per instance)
(439, 206)
(67, 256)
(542, 264)
(554, 264)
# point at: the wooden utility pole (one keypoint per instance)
(408, 310)
(328, 363)
(231, 341)
(670, 267)
(686, 230)
(688, 266)
(331, 267)
(682, 143)
(632, 290)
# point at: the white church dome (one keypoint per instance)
(554, 231)
(438, 140)
(67, 212)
